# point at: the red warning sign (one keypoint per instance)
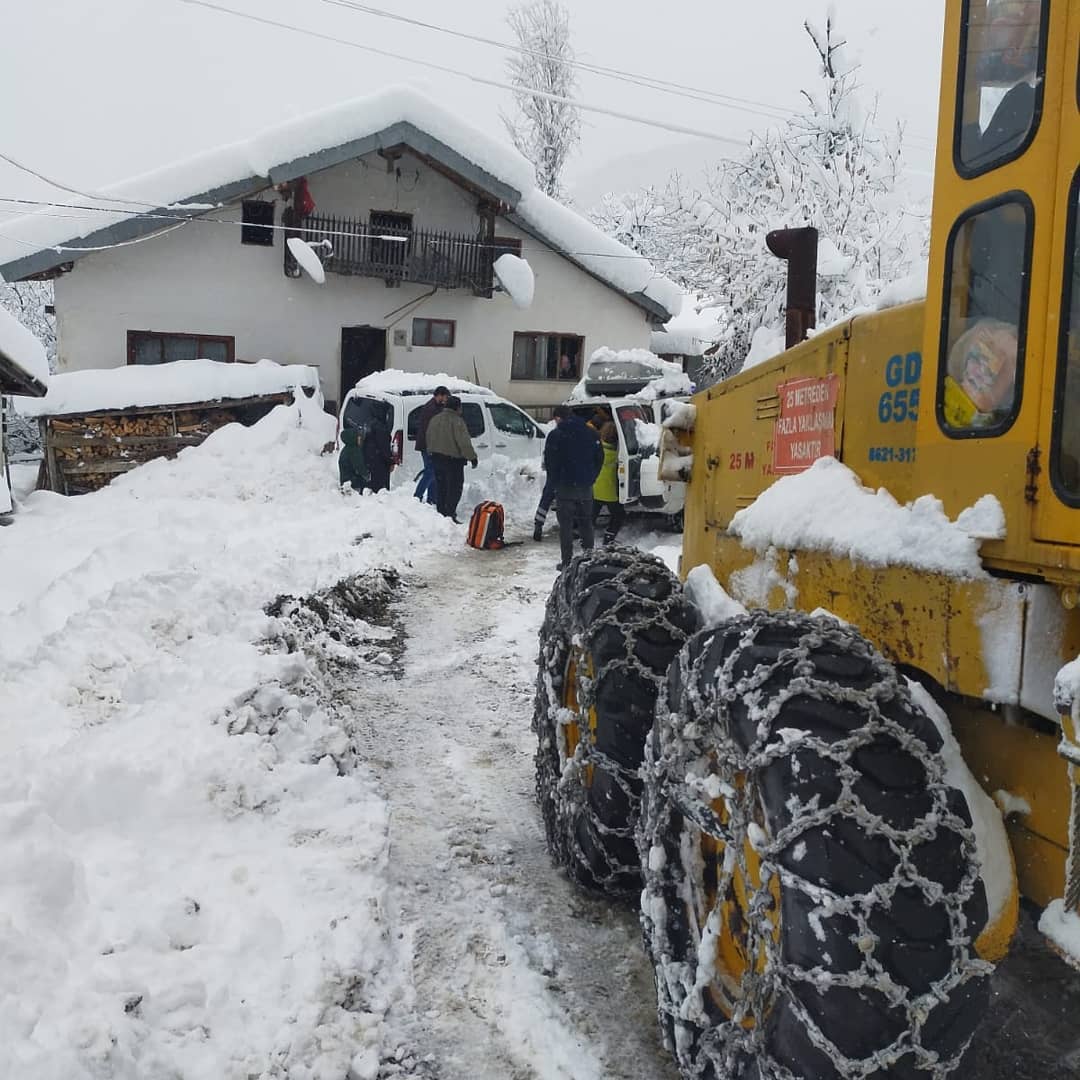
(806, 427)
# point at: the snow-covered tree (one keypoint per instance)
(544, 130)
(27, 301)
(830, 166)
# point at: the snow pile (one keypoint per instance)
(691, 332)
(395, 381)
(303, 253)
(711, 599)
(825, 508)
(23, 349)
(517, 279)
(766, 343)
(995, 854)
(177, 383)
(659, 378)
(194, 860)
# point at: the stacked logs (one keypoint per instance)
(83, 453)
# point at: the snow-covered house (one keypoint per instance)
(404, 210)
(24, 370)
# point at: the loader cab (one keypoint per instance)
(1001, 314)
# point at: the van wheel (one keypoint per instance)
(812, 892)
(615, 619)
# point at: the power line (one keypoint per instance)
(314, 231)
(693, 93)
(678, 129)
(73, 191)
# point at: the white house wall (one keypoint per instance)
(201, 279)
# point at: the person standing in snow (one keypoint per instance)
(572, 457)
(450, 446)
(606, 486)
(352, 466)
(378, 457)
(427, 486)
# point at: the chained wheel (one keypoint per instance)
(812, 893)
(614, 621)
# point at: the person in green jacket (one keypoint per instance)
(606, 486)
(352, 467)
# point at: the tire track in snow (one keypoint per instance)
(516, 974)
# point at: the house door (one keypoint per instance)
(363, 351)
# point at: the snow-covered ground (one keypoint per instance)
(244, 835)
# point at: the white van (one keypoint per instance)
(496, 426)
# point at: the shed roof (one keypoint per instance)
(395, 117)
(24, 367)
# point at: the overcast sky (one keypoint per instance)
(97, 92)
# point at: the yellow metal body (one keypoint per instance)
(879, 380)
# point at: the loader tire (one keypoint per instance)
(615, 620)
(812, 894)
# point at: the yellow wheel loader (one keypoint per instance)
(784, 767)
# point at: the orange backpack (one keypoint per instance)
(486, 527)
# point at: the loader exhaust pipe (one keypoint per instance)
(799, 247)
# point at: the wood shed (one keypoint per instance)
(96, 425)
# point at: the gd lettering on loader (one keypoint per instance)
(825, 890)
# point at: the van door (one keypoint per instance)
(480, 433)
(630, 451)
(516, 435)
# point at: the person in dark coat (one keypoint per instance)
(352, 466)
(427, 485)
(450, 447)
(572, 459)
(378, 457)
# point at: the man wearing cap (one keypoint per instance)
(450, 446)
(427, 486)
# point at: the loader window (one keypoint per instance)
(1002, 59)
(986, 292)
(1065, 446)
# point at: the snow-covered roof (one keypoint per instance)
(24, 367)
(178, 383)
(691, 332)
(409, 383)
(394, 116)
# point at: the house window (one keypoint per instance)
(437, 333)
(150, 347)
(258, 223)
(547, 356)
(507, 245)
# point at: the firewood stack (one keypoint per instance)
(83, 453)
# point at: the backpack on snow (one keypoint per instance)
(486, 527)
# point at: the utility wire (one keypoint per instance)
(678, 129)
(692, 93)
(314, 231)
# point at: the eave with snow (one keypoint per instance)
(24, 368)
(406, 194)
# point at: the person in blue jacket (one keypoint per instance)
(572, 460)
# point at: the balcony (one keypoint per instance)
(398, 253)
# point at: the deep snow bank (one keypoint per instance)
(193, 863)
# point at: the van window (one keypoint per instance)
(986, 293)
(1002, 59)
(363, 410)
(1065, 463)
(628, 416)
(474, 418)
(510, 419)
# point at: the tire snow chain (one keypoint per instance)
(628, 615)
(684, 753)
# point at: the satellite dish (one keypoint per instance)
(305, 256)
(515, 277)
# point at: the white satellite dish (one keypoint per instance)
(515, 276)
(309, 262)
